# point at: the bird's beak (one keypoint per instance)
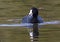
(30, 13)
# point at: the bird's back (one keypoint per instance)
(27, 19)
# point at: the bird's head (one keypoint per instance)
(33, 12)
